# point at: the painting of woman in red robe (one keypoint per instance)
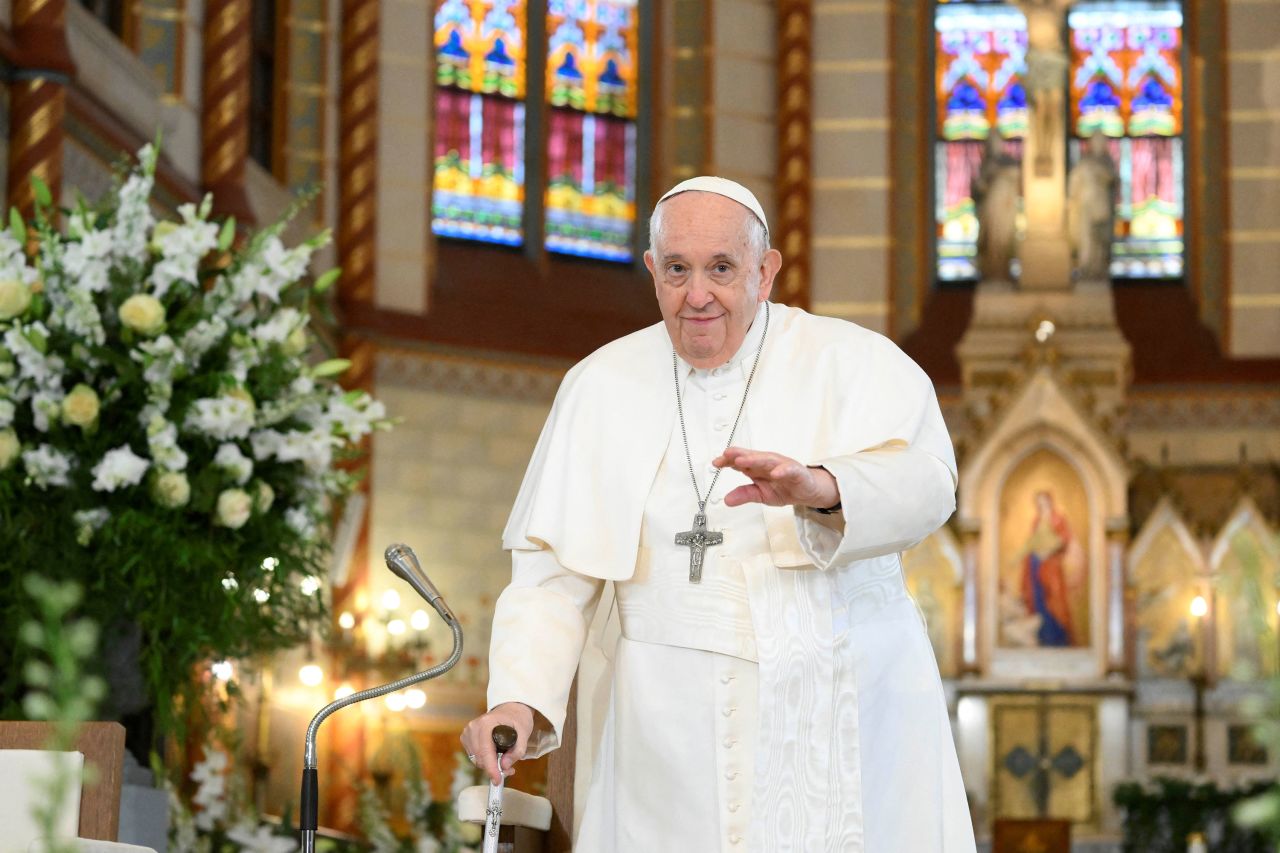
(1049, 558)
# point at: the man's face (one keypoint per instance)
(707, 277)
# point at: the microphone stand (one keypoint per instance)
(309, 808)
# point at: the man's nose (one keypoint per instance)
(699, 295)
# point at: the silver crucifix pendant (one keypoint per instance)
(698, 540)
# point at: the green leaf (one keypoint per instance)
(17, 226)
(326, 281)
(44, 198)
(227, 234)
(332, 367)
(38, 340)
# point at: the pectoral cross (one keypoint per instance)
(698, 540)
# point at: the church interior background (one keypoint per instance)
(1105, 599)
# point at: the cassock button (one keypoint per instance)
(720, 395)
(733, 807)
(725, 679)
(730, 742)
(728, 712)
(731, 775)
(721, 426)
(735, 839)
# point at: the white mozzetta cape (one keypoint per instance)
(826, 392)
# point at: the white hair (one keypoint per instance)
(757, 235)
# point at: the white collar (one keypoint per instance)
(742, 360)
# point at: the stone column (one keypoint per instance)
(37, 99)
(224, 121)
(357, 151)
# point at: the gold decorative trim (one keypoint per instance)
(224, 117)
(792, 232)
(440, 370)
(1270, 235)
(864, 183)
(852, 66)
(1255, 300)
(853, 7)
(1253, 55)
(823, 125)
(358, 150)
(1254, 173)
(851, 309)
(1263, 116)
(868, 241)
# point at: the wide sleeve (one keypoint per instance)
(539, 628)
(901, 486)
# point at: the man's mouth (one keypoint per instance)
(702, 321)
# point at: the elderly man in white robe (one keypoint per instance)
(746, 474)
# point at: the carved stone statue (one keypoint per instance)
(1047, 68)
(1091, 208)
(995, 193)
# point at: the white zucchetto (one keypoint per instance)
(720, 186)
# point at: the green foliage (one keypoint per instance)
(60, 692)
(1159, 817)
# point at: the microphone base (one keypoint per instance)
(308, 841)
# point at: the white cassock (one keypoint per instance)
(790, 700)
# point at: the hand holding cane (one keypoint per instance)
(504, 739)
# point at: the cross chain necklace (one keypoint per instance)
(699, 538)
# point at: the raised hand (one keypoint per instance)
(777, 480)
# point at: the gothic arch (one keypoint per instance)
(1244, 562)
(1166, 570)
(1043, 419)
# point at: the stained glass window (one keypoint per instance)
(1126, 83)
(592, 61)
(982, 59)
(479, 117)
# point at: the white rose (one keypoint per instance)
(80, 407)
(171, 489)
(15, 298)
(10, 447)
(234, 507)
(143, 313)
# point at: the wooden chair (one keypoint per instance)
(1031, 836)
(103, 746)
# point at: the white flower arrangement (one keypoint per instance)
(158, 411)
(60, 309)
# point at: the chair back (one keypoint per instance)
(102, 745)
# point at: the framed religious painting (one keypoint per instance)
(1049, 568)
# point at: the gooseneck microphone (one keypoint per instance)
(404, 564)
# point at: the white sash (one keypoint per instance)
(808, 785)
